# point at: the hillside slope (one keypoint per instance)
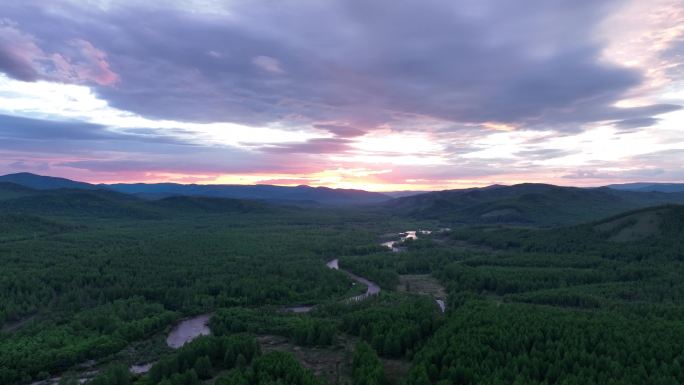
(151, 191)
(41, 182)
(646, 187)
(527, 204)
(321, 195)
(15, 199)
(19, 200)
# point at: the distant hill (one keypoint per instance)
(527, 204)
(405, 193)
(649, 187)
(40, 182)
(11, 190)
(304, 194)
(640, 224)
(283, 194)
(15, 199)
(18, 201)
(211, 205)
(18, 226)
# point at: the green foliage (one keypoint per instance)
(512, 343)
(94, 332)
(526, 204)
(367, 368)
(302, 329)
(203, 367)
(16, 227)
(114, 375)
(60, 292)
(272, 368)
(98, 273)
(394, 325)
(202, 357)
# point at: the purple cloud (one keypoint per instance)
(361, 64)
(311, 146)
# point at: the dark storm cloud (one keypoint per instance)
(360, 63)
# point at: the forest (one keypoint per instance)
(88, 295)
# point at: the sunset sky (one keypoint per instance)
(373, 94)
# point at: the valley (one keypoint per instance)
(113, 289)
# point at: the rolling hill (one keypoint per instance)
(322, 195)
(18, 226)
(211, 205)
(152, 191)
(526, 204)
(651, 222)
(15, 199)
(23, 201)
(647, 187)
(41, 182)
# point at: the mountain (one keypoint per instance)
(41, 182)
(650, 222)
(283, 194)
(649, 187)
(11, 190)
(322, 195)
(404, 193)
(526, 204)
(18, 226)
(75, 203)
(16, 199)
(211, 205)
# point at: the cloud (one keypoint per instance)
(341, 130)
(641, 174)
(311, 146)
(658, 166)
(42, 132)
(77, 60)
(544, 153)
(361, 64)
(268, 63)
(37, 144)
(430, 93)
(628, 124)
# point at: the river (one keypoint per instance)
(184, 332)
(187, 330)
(396, 247)
(372, 288)
(191, 328)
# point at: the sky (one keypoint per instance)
(373, 94)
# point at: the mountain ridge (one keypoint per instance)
(301, 194)
(527, 204)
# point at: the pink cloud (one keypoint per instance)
(76, 61)
(311, 146)
(288, 181)
(92, 64)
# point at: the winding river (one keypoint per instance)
(191, 328)
(372, 288)
(184, 332)
(396, 247)
(187, 330)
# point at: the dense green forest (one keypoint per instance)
(93, 282)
